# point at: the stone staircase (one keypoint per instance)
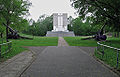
(60, 34)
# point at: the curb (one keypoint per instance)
(106, 65)
(27, 65)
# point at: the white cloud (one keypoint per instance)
(49, 7)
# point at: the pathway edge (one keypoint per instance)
(106, 65)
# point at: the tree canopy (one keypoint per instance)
(40, 28)
(12, 12)
(102, 11)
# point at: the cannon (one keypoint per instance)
(100, 34)
(13, 34)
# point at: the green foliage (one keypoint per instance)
(112, 41)
(12, 10)
(2, 33)
(84, 28)
(12, 14)
(37, 41)
(110, 57)
(40, 27)
(76, 41)
(21, 25)
(70, 21)
(101, 11)
(70, 28)
(2, 29)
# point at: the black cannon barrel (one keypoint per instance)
(100, 34)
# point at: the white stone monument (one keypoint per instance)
(60, 22)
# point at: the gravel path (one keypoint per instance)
(62, 42)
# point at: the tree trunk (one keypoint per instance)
(7, 30)
(1, 35)
(118, 34)
(115, 35)
(7, 33)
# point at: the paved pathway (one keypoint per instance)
(55, 61)
(15, 66)
(66, 62)
(62, 42)
(88, 50)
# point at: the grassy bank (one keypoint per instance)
(18, 44)
(114, 42)
(110, 55)
(37, 41)
(77, 41)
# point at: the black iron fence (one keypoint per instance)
(5, 48)
(108, 54)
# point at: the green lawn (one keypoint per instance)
(18, 45)
(114, 42)
(2, 40)
(76, 41)
(37, 41)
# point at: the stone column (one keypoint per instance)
(65, 21)
(55, 21)
(60, 22)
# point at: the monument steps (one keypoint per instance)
(60, 34)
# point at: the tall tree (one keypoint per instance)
(101, 10)
(12, 11)
(84, 28)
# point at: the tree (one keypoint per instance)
(12, 12)
(70, 21)
(2, 31)
(101, 10)
(84, 28)
(40, 28)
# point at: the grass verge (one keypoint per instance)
(112, 41)
(18, 44)
(110, 55)
(76, 41)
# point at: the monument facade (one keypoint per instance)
(60, 28)
(60, 22)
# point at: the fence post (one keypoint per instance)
(102, 51)
(0, 51)
(117, 59)
(97, 46)
(8, 46)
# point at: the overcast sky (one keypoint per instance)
(40, 7)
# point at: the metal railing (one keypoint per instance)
(101, 48)
(5, 48)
